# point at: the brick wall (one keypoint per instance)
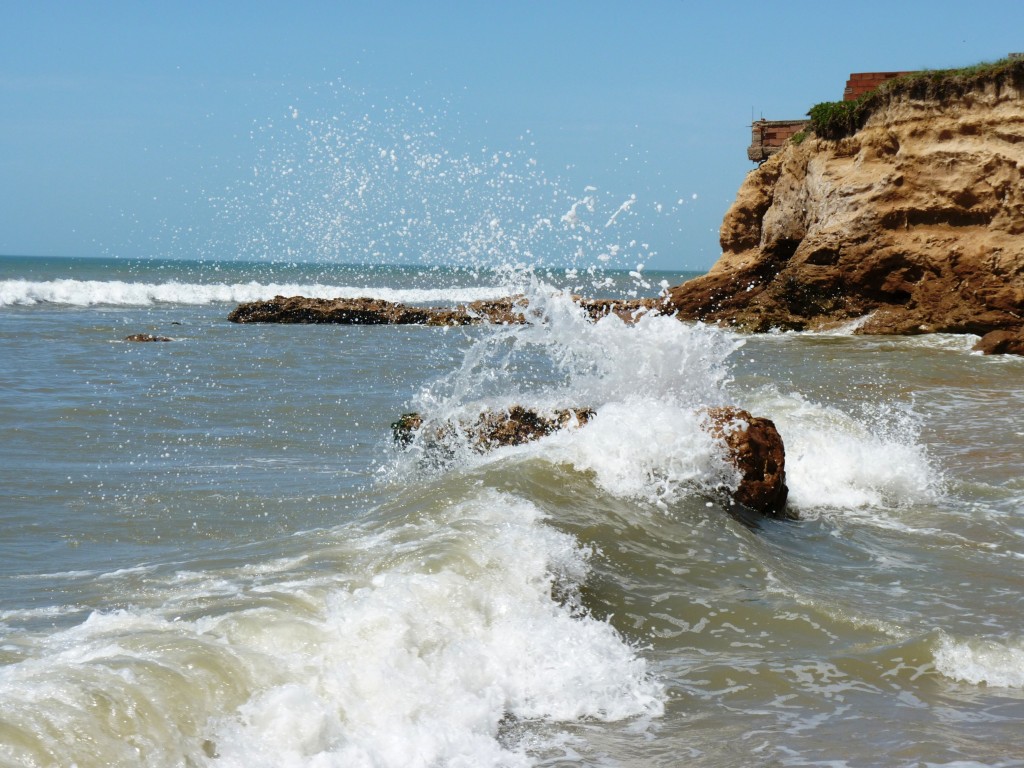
(862, 82)
(768, 136)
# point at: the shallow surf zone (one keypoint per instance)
(432, 633)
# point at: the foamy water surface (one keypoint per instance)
(214, 554)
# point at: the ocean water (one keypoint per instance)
(212, 553)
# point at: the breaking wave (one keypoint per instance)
(87, 293)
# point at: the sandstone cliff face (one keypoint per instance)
(916, 223)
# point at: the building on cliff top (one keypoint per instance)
(769, 136)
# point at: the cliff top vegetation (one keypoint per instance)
(839, 119)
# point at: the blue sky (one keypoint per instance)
(136, 129)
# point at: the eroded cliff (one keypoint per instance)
(913, 224)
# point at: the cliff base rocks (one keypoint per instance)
(1001, 343)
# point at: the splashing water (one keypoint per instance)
(377, 182)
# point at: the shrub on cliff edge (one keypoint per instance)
(837, 119)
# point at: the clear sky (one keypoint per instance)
(137, 129)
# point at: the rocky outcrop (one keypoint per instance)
(755, 447)
(1001, 343)
(752, 444)
(913, 224)
(363, 311)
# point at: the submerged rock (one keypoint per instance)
(146, 337)
(753, 444)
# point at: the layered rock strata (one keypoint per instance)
(913, 224)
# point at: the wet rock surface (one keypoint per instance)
(146, 337)
(364, 311)
(755, 447)
(494, 429)
(1006, 342)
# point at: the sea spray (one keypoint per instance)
(647, 381)
(354, 178)
(868, 460)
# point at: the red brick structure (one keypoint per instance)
(768, 136)
(862, 82)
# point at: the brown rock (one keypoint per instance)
(1002, 343)
(520, 425)
(507, 311)
(756, 449)
(494, 429)
(146, 337)
(363, 311)
(913, 224)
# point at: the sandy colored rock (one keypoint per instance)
(914, 224)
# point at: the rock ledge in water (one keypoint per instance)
(1002, 343)
(364, 311)
(754, 445)
(494, 429)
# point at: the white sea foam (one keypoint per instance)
(837, 460)
(647, 381)
(86, 293)
(645, 449)
(995, 663)
(452, 635)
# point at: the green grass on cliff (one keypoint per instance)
(838, 119)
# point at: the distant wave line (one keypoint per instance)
(87, 293)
